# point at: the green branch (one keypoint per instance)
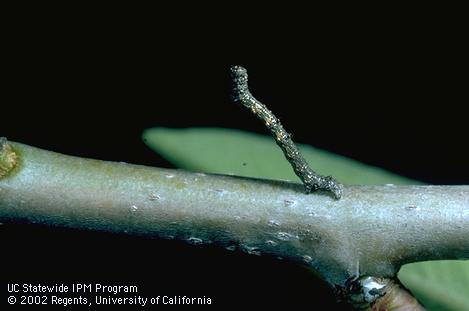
(372, 230)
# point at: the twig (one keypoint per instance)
(312, 181)
(336, 238)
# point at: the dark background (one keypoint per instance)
(389, 93)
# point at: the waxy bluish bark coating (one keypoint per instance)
(372, 230)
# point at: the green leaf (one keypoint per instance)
(442, 285)
(236, 152)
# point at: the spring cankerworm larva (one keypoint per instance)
(311, 180)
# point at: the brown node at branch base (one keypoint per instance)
(397, 298)
(377, 294)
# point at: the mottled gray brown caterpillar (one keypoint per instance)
(311, 180)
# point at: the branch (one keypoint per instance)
(371, 231)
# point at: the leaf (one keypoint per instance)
(442, 285)
(240, 153)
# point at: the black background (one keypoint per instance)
(390, 93)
